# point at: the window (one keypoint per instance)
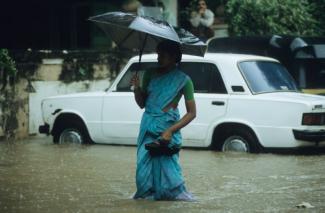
(205, 76)
(124, 84)
(267, 76)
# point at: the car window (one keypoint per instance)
(205, 76)
(124, 84)
(267, 76)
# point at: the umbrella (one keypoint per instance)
(144, 33)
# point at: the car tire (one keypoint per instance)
(238, 140)
(72, 133)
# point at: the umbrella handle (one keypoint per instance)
(140, 56)
(141, 52)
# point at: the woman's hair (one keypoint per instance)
(171, 48)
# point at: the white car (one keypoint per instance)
(244, 103)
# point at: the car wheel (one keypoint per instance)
(71, 135)
(240, 140)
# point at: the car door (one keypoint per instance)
(211, 101)
(121, 115)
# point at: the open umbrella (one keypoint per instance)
(144, 33)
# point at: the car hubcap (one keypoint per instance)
(235, 143)
(70, 136)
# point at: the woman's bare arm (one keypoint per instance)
(186, 119)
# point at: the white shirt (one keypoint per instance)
(207, 19)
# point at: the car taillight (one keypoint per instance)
(313, 119)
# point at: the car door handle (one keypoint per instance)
(218, 103)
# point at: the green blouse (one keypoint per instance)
(188, 89)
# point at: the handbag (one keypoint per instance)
(160, 147)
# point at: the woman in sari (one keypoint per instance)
(160, 177)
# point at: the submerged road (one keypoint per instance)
(38, 176)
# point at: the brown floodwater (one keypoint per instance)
(38, 176)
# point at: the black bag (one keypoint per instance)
(160, 147)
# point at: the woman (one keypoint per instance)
(160, 177)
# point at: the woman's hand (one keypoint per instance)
(187, 118)
(167, 135)
(140, 97)
(135, 81)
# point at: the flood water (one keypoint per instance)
(38, 176)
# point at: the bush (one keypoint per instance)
(6, 63)
(267, 17)
(318, 8)
(7, 67)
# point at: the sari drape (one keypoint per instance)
(160, 177)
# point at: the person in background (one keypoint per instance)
(201, 21)
(131, 6)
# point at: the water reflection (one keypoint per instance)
(38, 176)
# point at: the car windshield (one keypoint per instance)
(267, 76)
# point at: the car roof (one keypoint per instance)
(230, 57)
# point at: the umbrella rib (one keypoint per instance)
(125, 38)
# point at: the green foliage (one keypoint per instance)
(7, 68)
(318, 8)
(6, 63)
(8, 71)
(267, 17)
(76, 69)
(27, 63)
(79, 65)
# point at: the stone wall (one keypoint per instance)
(14, 111)
(46, 75)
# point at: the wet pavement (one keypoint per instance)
(38, 176)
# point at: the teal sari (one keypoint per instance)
(160, 177)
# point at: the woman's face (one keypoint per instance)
(165, 59)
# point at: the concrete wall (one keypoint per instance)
(45, 83)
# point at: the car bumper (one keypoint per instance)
(310, 135)
(44, 129)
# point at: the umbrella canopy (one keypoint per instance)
(144, 33)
